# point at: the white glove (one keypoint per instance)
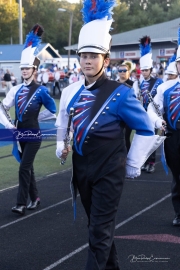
(132, 172)
(59, 149)
(158, 123)
(4, 121)
(10, 126)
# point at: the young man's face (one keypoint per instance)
(123, 73)
(146, 73)
(26, 72)
(91, 63)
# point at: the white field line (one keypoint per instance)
(38, 179)
(117, 226)
(36, 213)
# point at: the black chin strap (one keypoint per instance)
(99, 71)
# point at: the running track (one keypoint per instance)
(48, 238)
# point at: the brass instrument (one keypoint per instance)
(67, 136)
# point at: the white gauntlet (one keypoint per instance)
(59, 149)
(132, 172)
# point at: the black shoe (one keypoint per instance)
(33, 205)
(150, 168)
(176, 221)
(144, 167)
(19, 209)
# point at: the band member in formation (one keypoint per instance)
(124, 73)
(171, 72)
(102, 107)
(148, 84)
(169, 104)
(28, 98)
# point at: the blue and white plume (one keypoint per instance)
(146, 61)
(94, 35)
(30, 51)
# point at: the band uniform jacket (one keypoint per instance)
(151, 86)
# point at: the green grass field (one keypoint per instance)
(45, 163)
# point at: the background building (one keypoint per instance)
(163, 40)
(10, 56)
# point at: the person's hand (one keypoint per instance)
(160, 124)
(163, 127)
(10, 126)
(65, 152)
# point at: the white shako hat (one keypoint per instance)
(171, 66)
(28, 55)
(94, 35)
(171, 69)
(146, 61)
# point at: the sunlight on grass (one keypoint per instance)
(45, 163)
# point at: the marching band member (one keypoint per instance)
(148, 84)
(171, 72)
(124, 72)
(27, 98)
(101, 109)
(169, 104)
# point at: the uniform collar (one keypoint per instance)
(29, 83)
(97, 83)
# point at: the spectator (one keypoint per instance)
(114, 73)
(7, 80)
(74, 77)
(13, 79)
(160, 71)
(108, 72)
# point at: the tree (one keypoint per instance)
(174, 10)
(8, 21)
(121, 21)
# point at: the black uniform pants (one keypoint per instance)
(172, 153)
(27, 182)
(56, 84)
(99, 178)
(128, 131)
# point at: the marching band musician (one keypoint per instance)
(124, 73)
(27, 98)
(171, 72)
(101, 109)
(169, 104)
(150, 84)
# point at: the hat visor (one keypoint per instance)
(145, 67)
(26, 66)
(92, 50)
(169, 72)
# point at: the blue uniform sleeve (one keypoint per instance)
(134, 115)
(48, 101)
